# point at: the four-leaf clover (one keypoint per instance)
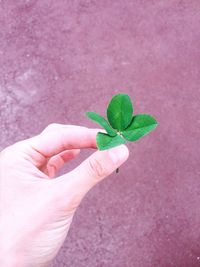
(122, 125)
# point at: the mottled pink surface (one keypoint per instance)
(62, 58)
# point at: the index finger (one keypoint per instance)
(51, 143)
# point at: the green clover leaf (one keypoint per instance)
(140, 126)
(121, 126)
(119, 111)
(104, 141)
(101, 121)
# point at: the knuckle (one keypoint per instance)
(96, 168)
(51, 126)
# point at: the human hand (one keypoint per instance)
(36, 207)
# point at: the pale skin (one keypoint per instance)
(36, 205)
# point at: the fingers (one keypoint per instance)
(57, 138)
(55, 126)
(56, 162)
(90, 172)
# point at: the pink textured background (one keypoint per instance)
(62, 58)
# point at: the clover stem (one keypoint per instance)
(120, 134)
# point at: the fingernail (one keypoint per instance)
(118, 154)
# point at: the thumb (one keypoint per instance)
(92, 170)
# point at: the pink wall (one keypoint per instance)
(62, 58)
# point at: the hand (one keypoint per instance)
(36, 207)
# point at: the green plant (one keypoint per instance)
(121, 126)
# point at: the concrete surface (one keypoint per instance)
(62, 58)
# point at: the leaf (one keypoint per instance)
(140, 126)
(120, 111)
(101, 121)
(104, 141)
